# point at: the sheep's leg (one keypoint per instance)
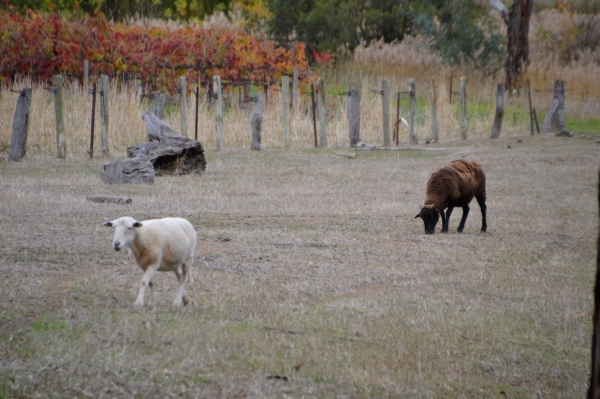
(446, 222)
(151, 286)
(180, 299)
(146, 282)
(481, 202)
(461, 226)
(443, 215)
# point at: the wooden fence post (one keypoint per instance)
(555, 118)
(295, 96)
(321, 107)
(463, 107)
(497, 126)
(434, 114)
(285, 92)
(314, 112)
(256, 122)
(397, 123)
(104, 119)
(59, 116)
(196, 93)
(91, 151)
(218, 112)
(18, 143)
(86, 75)
(413, 111)
(385, 104)
(183, 106)
(530, 106)
(353, 110)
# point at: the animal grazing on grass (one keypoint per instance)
(453, 185)
(163, 245)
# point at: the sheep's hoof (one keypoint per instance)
(138, 305)
(185, 301)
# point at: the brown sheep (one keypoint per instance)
(453, 185)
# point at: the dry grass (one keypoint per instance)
(309, 267)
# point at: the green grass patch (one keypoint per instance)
(45, 324)
(583, 126)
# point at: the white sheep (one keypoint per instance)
(162, 245)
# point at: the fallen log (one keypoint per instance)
(165, 154)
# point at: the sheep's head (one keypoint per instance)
(124, 231)
(430, 216)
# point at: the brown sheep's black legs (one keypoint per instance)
(446, 220)
(461, 226)
(481, 202)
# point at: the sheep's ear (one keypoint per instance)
(137, 224)
(107, 224)
(418, 215)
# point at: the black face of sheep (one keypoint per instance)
(430, 218)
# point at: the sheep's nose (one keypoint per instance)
(116, 246)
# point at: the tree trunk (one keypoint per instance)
(517, 24)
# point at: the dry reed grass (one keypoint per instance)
(312, 279)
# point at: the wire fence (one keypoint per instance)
(128, 102)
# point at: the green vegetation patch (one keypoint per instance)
(45, 324)
(583, 126)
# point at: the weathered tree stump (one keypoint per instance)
(165, 154)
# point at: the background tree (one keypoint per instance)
(462, 31)
(517, 32)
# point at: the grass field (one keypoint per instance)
(312, 278)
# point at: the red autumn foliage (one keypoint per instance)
(42, 45)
